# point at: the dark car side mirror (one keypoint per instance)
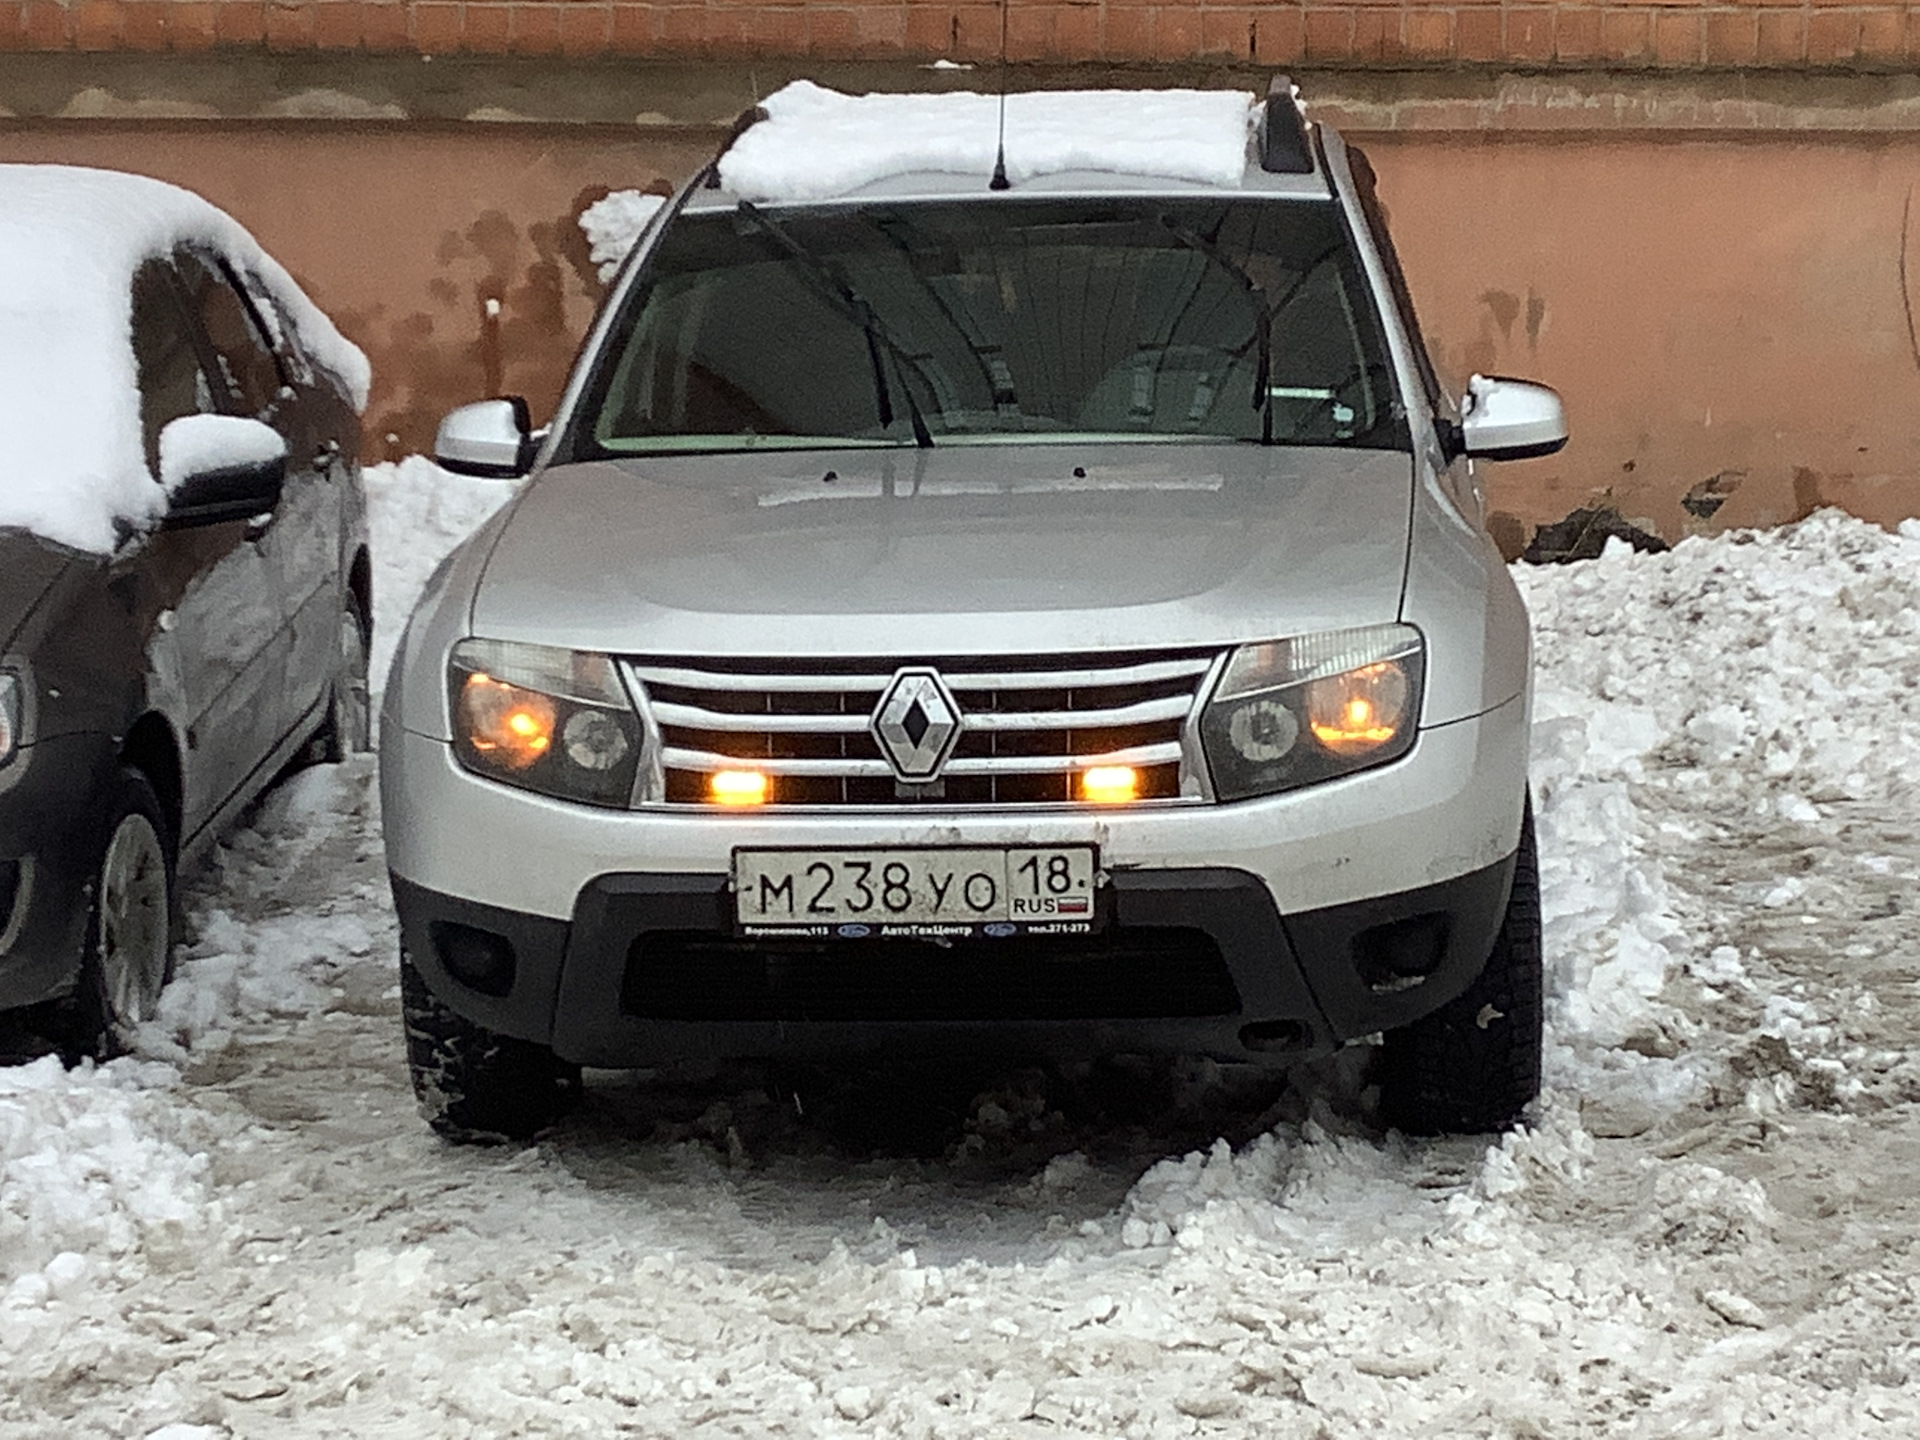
(218, 468)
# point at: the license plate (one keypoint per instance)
(930, 893)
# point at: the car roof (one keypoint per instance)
(807, 144)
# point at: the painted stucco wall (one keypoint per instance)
(1718, 281)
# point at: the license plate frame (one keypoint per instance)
(843, 892)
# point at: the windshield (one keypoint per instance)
(971, 323)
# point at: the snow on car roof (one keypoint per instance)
(817, 142)
(72, 462)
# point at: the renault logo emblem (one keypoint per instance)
(916, 724)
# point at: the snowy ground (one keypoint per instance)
(1709, 1229)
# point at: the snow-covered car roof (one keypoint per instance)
(72, 462)
(817, 144)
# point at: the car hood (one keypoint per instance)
(983, 549)
(28, 567)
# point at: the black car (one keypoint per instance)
(184, 576)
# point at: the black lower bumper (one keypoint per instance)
(51, 833)
(1189, 962)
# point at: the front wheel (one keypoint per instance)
(130, 925)
(1474, 1064)
(476, 1086)
(348, 727)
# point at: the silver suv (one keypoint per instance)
(1055, 617)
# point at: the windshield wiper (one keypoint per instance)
(856, 309)
(1262, 316)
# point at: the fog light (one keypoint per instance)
(737, 787)
(1109, 784)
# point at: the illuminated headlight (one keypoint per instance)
(1293, 712)
(9, 716)
(551, 720)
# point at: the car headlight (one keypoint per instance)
(9, 715)
(556, 721)
(1293, 712)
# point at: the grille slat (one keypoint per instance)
(1028, 726)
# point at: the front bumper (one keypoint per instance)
(50, 840)
(1260, 931)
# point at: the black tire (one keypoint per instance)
(130, 922)
(1474, 1064)
(477, 1087)
(348, 726)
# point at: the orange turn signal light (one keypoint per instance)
(506, 722)
(1358, 711)
(738, 787)
(1109, 784)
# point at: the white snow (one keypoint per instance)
(196, 443)
(613, 223)
(817, 142)
(1705, 1230)
(71, 461)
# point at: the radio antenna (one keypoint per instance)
(999, 180)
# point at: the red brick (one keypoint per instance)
(486, 29)
(1076, 32)
(682, 28)
(290, 24)
(43, 25)
(383, 26)
(1881, 33)
(436, 27)
(585, 29)
(1227, 34)
(1280, 35)
(1783, 38)
(1625, 35)
(1376, 34)
(336, 24)
(1833, 37)
(1476, 36)
(1129, 34)
(143, 24)
(190, 25)
(929, 31)
(1029, 32)
(1530, 35)
(1576, 34)
(533, 29)
(831, 33)
(1329, 35)
(1732, 39)
(96, 25)
(880, 30)
(1176, 33)
(1430, 34)
(1678, 38)
(12, 24)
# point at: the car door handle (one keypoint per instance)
(324, 457)
(259, 524)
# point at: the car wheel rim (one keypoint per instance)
(133, 919)
(352, 716)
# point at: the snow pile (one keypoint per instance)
(94, 1163)
(613, 225)
(416, 513)
(71, 458)
(1771, 675)
(817, 142)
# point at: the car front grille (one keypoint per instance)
(1030, 726)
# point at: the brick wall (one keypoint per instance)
(1677, 35)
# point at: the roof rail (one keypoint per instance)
(1283, 134)
(742, 122)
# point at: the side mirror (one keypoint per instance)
(489, 438)
(1511, 420)
(217, 468)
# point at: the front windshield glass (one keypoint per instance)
(896, 323)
